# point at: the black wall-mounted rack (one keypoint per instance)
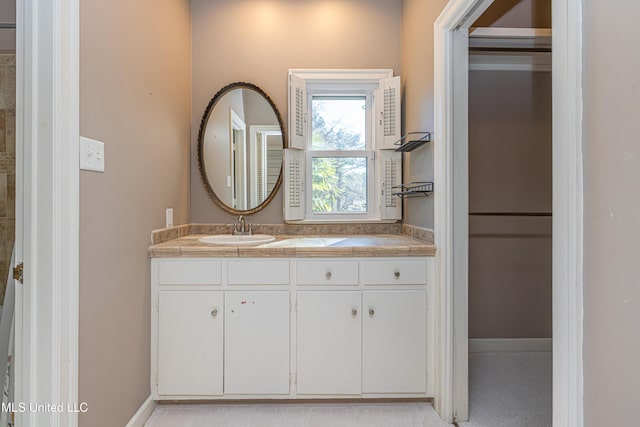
(412, 189)
(412, 140)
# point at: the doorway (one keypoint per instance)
(452, 209)
(7, 196)
(510, 225)
(47, 200)
(7, 162)
(7, 151)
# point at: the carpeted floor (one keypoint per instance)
(506, 390)
(509, 390)
(296, 415)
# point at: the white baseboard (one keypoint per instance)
(485, 345)
(143, 414)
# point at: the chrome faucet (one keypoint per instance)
(240, 228)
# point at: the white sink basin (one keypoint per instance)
(231, 240)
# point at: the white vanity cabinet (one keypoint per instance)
(187, 327)
(369, 342)
(256, 345)
(394, 341)
(190, 334)
(291, 328)
(329, 342)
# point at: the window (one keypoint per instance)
(338, 154)
(338, 166)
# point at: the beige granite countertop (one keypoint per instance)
(299, 246)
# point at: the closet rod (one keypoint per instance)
(510, 214)
(511, 49)
(7, 25)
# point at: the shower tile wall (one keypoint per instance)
(7, 164)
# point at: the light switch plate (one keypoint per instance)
(91, 155)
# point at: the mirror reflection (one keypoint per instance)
(240, 148)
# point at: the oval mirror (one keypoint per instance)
(240, 148)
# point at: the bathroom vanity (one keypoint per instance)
(298, 318)
(326, 310)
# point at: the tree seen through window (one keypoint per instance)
(339, 181)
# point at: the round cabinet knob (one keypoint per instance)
(397, 274)
(354, 312)
(328, 275)
(371, 312)
(214, 312)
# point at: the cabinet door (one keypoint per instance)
(329, 342)
(394, 341)
(190, 338)
(256, 356)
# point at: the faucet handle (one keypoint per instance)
(234, 228)
(241, 226)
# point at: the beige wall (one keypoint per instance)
(517, 14)
(418, 17)
(509, 171)
(7, 36)
(135, 96)
(257, 41)
(612, 210)
(489, 305)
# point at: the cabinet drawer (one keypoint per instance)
(395, 272)
(327, 272)
(189, 272)
(258, 272)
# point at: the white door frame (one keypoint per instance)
(451, 209)
(567, 214)
(451, 204)
(47, 209)
(254, 130)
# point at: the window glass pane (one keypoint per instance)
(339, 185)
(338, 123)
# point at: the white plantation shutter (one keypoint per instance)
(390, 164)
(297, 112)
(387, 127)
(389, 112)
(273, 162)
(294, 191)
(388, 133)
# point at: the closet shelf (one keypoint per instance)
(510, 38)
(412, 140)
(510, 49)
(412, 189)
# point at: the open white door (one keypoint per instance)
(451, 147)
(47, 176)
